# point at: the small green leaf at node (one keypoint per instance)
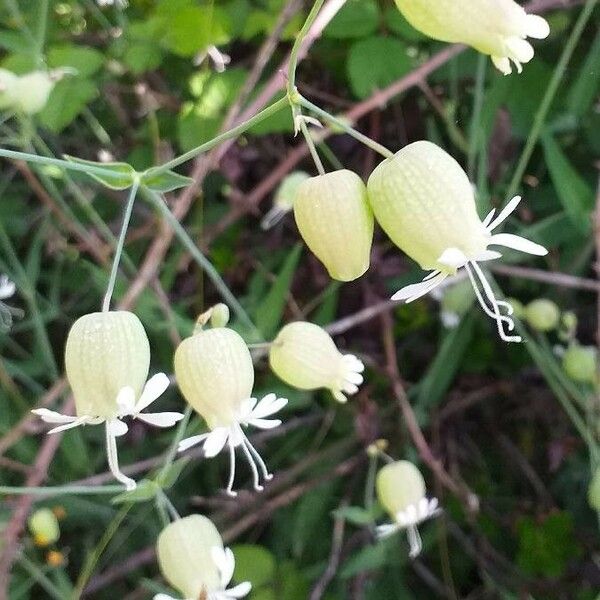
(164, 181)
(124, 174)
(167, 479)
(145, 490)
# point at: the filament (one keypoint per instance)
(414, 541)
(250, 460)
(113, 460)
(229, 489)
(261, 463)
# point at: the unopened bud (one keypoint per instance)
(542, 315)
(44, 527)
(580, 363)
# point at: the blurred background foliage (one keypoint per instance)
(500, 418)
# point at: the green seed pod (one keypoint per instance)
(594, 491)
(580, 363)
(335, 221)
(495, 27)
(399, 485)
(424, 202)
(7, 82)
(215, 374)
(44, 527)
(105, 352)
(542, 315)
(220, 315)
(30, 92)
(185, 558)
(305, 356)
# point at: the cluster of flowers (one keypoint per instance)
(27, 94)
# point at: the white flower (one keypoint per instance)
(225, 562)
(454, 259)
(251, 412)
(115, 427)
(7, 287)
(409, 519)
(220, 60)
(118, 3)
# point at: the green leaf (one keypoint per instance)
(124, 174)
(270, 311)
(254, 564)
(375, 63)
(141, 57)
(68, 98)
(574, 193)
(587, 85)
(396, 22)
(165, 181)
(85, 60)
(145, 490)
(357, 515)
(169, 478)
(356, 19)
(188, 31)
(370, 558)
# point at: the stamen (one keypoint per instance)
(261, 463)
(486, 309)
(229, 491)
(113, 460)
(257, 486)
(414, 541)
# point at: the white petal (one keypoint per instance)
(163, 597)
(164, 419)
(76, 423)
(536, 27)
(453, 257)
(153, 389)
(416, 290)
(354, 377)
(489, 218)
(382, 531)
(51, 416)
(337, 394)
(246, 407)
(116, 427)
(126, 401)
(215, 441)
(510, 208)
(265, 423)
(191, 441)
(225, 563)
(240, 590)
(520, 50)
(7, 288)
(487, 255)
(268, 406)
(353, 363)
(349, 388)
(502, 64)
(518, 243)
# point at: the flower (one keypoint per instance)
(305, 356)
(7, 287)
(7, 81)
(401, 491)
(193, 560)
(220, 59)
(107, 358)
(118, 3)
(29, 93)
(215, 374)
(283, 201)
(425, 203)
(499, 28)
(334, 219)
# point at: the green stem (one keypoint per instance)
(61, 490)
(202, 261)
(120, 244)
(227, 135)
(311, 146)
(475, 126)
(42, 12)
(557, 78)
(179, 433)
(367, 141)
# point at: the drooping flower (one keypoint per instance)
(215, 373)
(305, 356)
(7, 81)
(499, 28)
(283, 201)
(336, 222)
(219, 59)
(425, 203)
(401, 491)
(7, 287)
(193, 560)
(107, 358)
(29, 93)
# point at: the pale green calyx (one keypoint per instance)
(499, 28)
(283, 201)
(107, 358)
(425, 203)
(401, 491)
(215, 373)
(305, 356)
(193, 560)
(334, 219)
(44, 527)
(542, 314)
(580, 363)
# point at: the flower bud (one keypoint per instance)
(580, 363)
(185, 558)
(399, 485)
(305, 356)
(542, 314)
(594, 491)
(283, 201)
(106, 352)
(499, 28)
(30, 92)
(215, 374)
(43, 525)
(220, 315)
(568, 326)
(335, 221)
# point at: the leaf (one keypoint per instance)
(124, 174)
(357, 515)
(141, 57)
(85, 60)
(375, 63)
(255, 564)
(270, 311)
(170, 477)
(145, 490)
(188, 31)
(165, 181)
(587, 85)
(356, 19)
(370, 558)
(574, 193)
(68, 98)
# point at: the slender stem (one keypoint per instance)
(202, 261)
(120, 244)
(546, 103)
(475, 126)
(60, 490)
(42, 12)
(227, 135)
(312, 15)
(367, 141)
(179, 433)
(311, 146)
